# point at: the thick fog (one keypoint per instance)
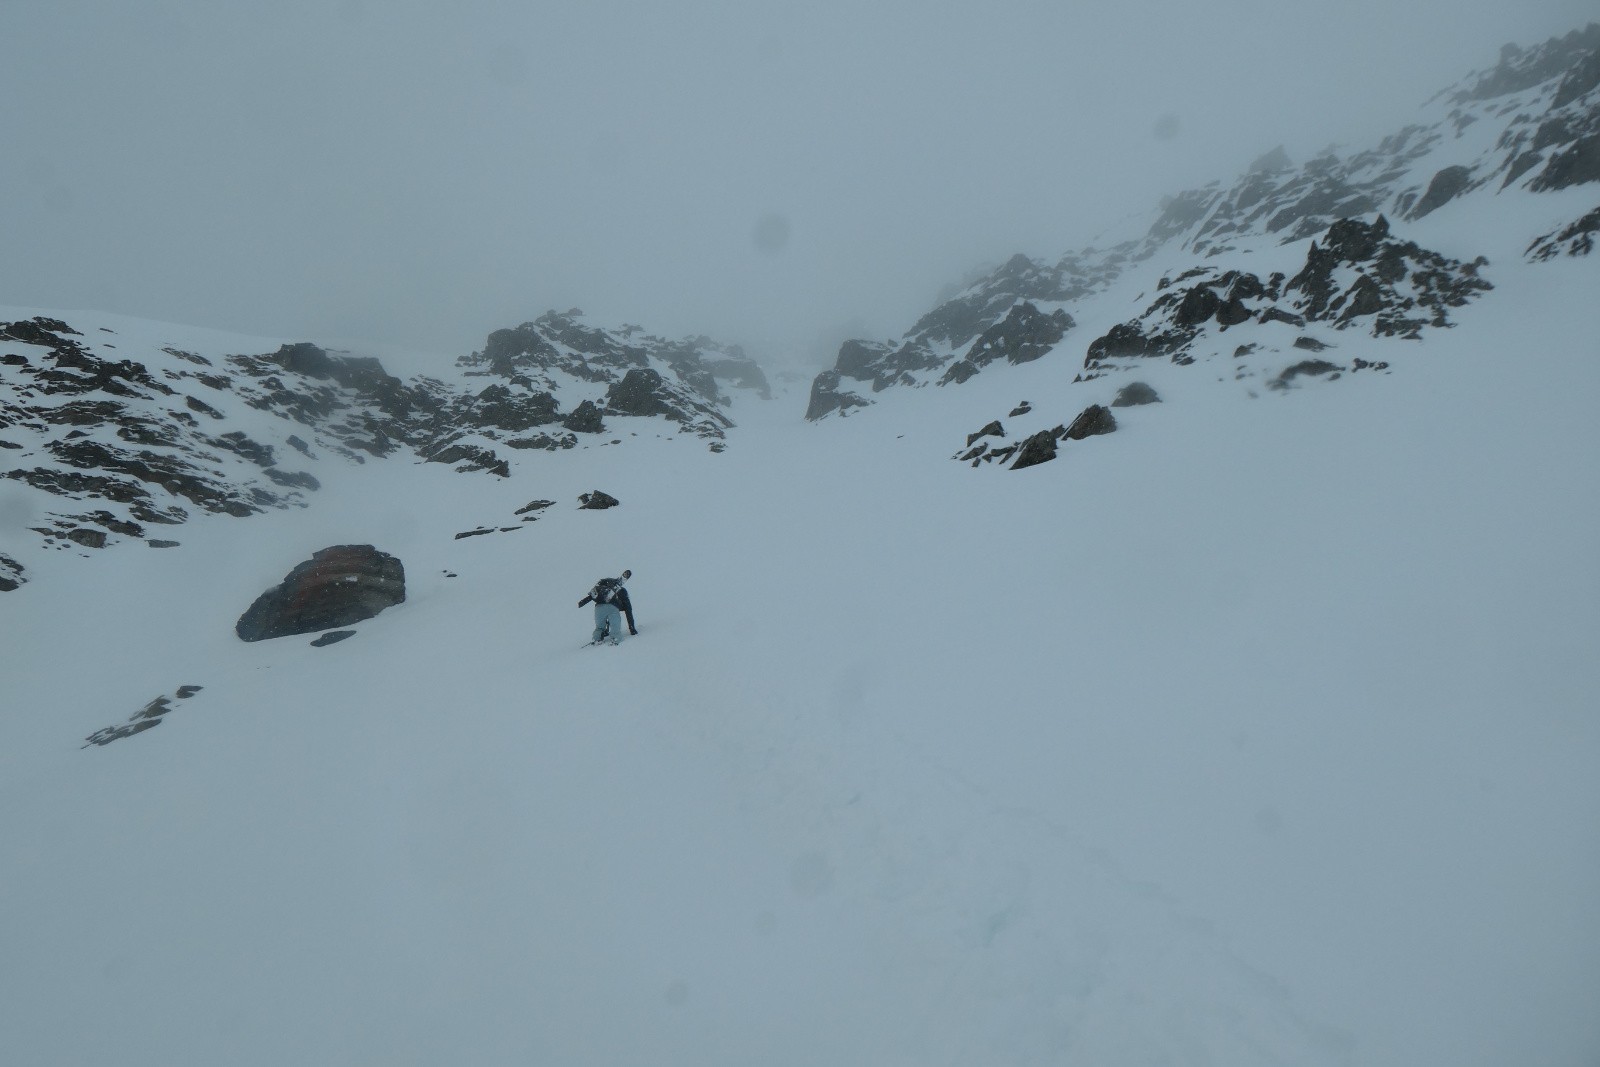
(784, 175)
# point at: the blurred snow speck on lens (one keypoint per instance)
(771, 233)
(811, 875)
(1166, 127)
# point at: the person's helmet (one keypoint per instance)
(627, 574)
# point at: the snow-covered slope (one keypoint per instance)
(115, 430)
(1346, 239)
(1255, 732)
(1261, 730)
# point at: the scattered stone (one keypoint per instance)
(1091, 421)
(332, 637)
(161, 543)
(534, 505)
(480, 531)
(1038, 448)
(597, 501)
(994, 429)
(1310, 344)
(337, 586)
(1021, 409)
(146, 718)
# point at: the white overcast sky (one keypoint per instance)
(779, 174)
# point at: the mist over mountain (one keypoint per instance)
(1178, 650)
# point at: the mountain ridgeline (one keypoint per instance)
(129, 436)
(1529, 125)
(117, 432)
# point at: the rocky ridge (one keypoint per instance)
(128, 436)
(1529, 125)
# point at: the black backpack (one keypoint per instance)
(604, 590)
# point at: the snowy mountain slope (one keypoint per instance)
(123, 428)
(1260, 730)
(1251, 733)
(1529, 127)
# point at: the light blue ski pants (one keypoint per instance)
(608, 624)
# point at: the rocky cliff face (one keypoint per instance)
(1529, 125)
(127, 437)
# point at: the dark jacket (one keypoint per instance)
(619, 597)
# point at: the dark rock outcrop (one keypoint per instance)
(1574, 240)
(1446, 185)
(640, 392)
(827, 397)
(993, 429)
(1358, 275)
(11, 577)
(597, 501)
(1091, 421)
(1037, 448)
(146, 718)
(585, 418)
(337, 586)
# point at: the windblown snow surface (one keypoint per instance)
(1261, 731)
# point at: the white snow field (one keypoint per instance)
(1264, 730)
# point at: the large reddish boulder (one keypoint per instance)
(335, 587)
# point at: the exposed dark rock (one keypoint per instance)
(332, 637)
(293, 479)
(1311, 368)
(1310, 344)
(596, 501)
(1135, 393)
(337, 586)
(1037, 448)
(585, 418)
(87, 538)
(1025, 334)
(534, 505)
(146, 718)
(466, 457)
(994, 429)
(1091, 421)
(640, 392)
(161, 543)
(1576, 165)
(1021, 409)
(1575, 240)
(962, 370)
(11, 577)
(1446, 185)
(500, 407)
(544, 441)
(827, 397)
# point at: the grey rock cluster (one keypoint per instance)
(1358, 275)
